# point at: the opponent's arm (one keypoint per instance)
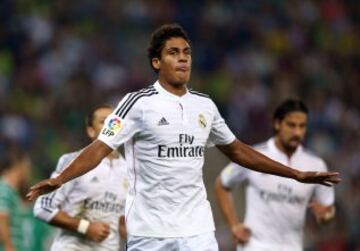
(244, 155)
(88, 159)
(5, 232)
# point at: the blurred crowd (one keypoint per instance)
(58, 58)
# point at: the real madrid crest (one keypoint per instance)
(202, 121)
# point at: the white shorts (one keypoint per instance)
(257, 246)
(202, 242)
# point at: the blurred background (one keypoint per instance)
(58, 58)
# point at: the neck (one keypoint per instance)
(12, 180)
(288, 152)
(176, 89)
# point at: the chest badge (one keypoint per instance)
(202, 121)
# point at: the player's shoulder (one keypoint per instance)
(311, 157)
(65, 159)
(201, 99)
(145, 92)
(69, 156)
(4, 188)
(261, 147)
(199, 95)
(134, 99)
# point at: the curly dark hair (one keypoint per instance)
(159, 38)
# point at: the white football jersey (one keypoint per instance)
(98, 195)
(276, 206)
(165, 138)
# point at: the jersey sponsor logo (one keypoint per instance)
(283, 195)
(185, 149)
(202, 121)
(109, 204)
(163, 122)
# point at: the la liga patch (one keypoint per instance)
(114, 124)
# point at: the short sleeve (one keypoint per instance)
(48, 205)
(123, 123)
(220, 133)
(232, 175)
(323, 194)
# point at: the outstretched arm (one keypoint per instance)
(87, 160)
(244, 155)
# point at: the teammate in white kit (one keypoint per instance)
(165, 129)
(89, 210)
(275, 206)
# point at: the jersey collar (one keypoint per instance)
(272, 146)
(164, 92)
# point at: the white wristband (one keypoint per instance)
(83, 226)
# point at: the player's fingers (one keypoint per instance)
(32, 195)
(247, 230)
(242, 240)
(103, 236)
(312, 204)
(332, 180)
(40, 184)
(328, 183)
(106, 232)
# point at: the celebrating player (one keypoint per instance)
(166, 128)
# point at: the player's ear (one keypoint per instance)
(155, 63)
(91, 132)
(277, 125)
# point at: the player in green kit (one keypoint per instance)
(14, 169)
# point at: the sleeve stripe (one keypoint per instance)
(134, 101)
(131, 97)
(43, 205)
(199, 94)
(46, 202)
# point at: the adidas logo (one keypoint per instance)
(162, 122)
(94, 179)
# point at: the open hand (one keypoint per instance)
(323, 178)
(43, 187)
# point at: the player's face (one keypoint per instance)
(175, 62)
(98, 122)
(24, 173)
(24, 166)
(291, 130)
